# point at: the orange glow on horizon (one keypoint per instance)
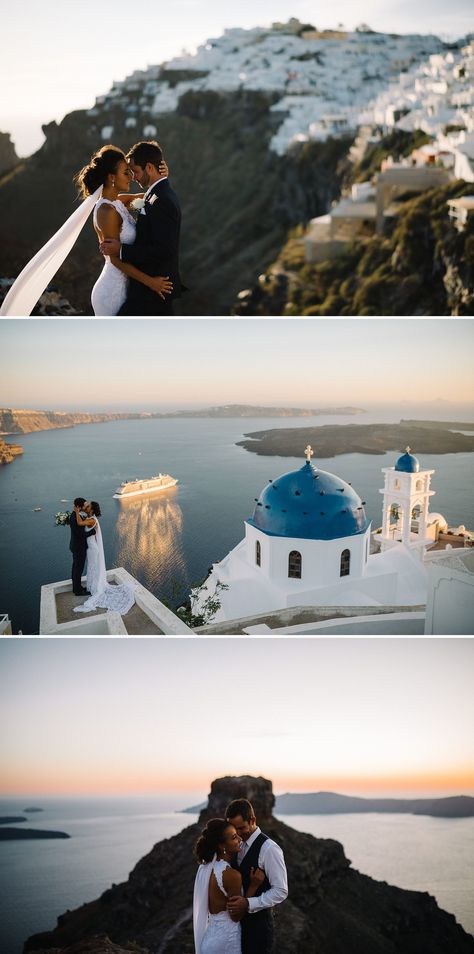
(410, 785)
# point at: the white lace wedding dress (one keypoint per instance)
(110, 289)
(119, 598)
(218, 934)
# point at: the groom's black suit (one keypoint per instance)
(78, 548)
(155, 251)
(257, 928)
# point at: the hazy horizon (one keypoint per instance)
(375, 718)
(201, 362)
(55, 42)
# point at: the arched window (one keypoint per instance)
(419, 485)
(345, 563)
(258, 553)
(294, 565)
(397, 484)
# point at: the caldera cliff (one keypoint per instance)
(331, 908)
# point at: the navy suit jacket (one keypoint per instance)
(155, 250)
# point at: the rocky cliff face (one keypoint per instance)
(420, 266)
(18, 421)
(8, 156)
(331, 908)
(8, 452)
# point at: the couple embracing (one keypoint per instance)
(138, 236)
(86, 545)
(241, 877)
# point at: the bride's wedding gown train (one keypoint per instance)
(222, 935)
(104, 595)
(110, 290)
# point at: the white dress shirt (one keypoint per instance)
(147, 193)
(272, 862)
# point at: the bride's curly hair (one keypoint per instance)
(103, 163)
(96, 508)
(210, 838)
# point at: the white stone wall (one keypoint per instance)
(321, 559)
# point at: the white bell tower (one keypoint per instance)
(406, 498)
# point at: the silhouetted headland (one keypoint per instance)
(331, 908)
(29, 834)
(428, 437)
(330, 803)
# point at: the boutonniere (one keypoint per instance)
(137, 205)
(152, 199)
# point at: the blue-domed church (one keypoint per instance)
(308, 543)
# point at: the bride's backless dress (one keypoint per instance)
(222, 935)
(110, 290)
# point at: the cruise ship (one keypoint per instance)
(131, 488)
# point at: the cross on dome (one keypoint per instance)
(408, 450)
(309, 453)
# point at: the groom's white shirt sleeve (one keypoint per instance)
(272, 862)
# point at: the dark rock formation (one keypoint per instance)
(8, 156)
(98, 945)
(334, 439)
(11, 819)
(331, 908)
(29, 834)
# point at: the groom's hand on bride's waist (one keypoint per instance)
(237, 907)
(110, 247)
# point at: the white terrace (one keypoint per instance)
(148, 616)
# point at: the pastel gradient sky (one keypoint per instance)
(360, 716)
(152, 364)
(58, 56)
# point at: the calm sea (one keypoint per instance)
(171, 540)
(40, 880)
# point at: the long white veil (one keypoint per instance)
(201, 903)
(37, 274)
(118, 597)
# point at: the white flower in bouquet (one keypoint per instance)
(61, 519)
(137, 205)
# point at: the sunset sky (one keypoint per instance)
(59, 57)
(359, 716)
(96, 364)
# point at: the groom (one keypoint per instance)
(78, 547)
(156, 247)
(257, 851)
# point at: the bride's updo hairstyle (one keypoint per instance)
(103, 163)
(96, 511)
(211, 837)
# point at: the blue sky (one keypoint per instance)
(150, 364)
(381, 716)
(58, 56)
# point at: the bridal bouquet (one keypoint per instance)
(136, 205)
(61, 519)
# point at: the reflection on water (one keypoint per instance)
(148, 539)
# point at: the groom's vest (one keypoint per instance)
(257, 929)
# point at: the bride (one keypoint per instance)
(113, 220)
(214, 930)
(103, 595)
(105, 184)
